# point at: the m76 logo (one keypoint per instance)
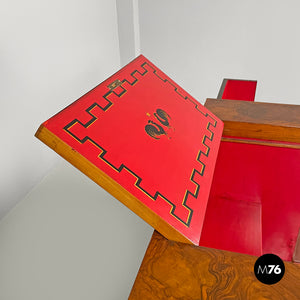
(269, 269)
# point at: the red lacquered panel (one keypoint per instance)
(233, 223)
(151, 137)
(238, 90)
(254, 177)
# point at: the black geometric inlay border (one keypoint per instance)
(122, 166)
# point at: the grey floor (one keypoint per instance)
(69, 239)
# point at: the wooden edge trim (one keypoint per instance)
(107, 183)
(260, 142)
(257, 131)
(255, 120)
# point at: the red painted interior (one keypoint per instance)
(239, 90)
(254, 204)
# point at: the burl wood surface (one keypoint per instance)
(172, 270)
(258, 120)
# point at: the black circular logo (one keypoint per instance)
(269, 268)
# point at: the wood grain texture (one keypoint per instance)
(111, 186)
(177, 271)
(261, 142)
(258, 120)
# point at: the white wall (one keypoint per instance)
(198, 43)
(70, 240)
(51, 52)
(128, 29)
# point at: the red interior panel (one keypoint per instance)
(254, 205)
(233, 223)
(239, 90)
